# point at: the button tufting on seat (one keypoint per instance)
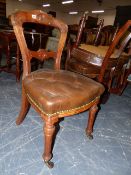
(56, 91)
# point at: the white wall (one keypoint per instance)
(108, 17)
(74, 19)
(15, 5)
(69, 19)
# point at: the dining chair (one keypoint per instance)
(90, 60)
(53, 93)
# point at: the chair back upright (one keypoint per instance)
(38, 17)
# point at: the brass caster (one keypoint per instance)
(49, 163)
(90, 136)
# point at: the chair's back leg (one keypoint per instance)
(24, 108)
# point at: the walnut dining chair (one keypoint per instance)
(56, 93)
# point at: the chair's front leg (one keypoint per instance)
(92, 114)
(49, 130)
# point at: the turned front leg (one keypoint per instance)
(92, 114)
(49, 131)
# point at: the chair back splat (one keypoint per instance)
(53, 93)
(39, 18)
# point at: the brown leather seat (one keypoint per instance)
(58, 91)
(53, 93)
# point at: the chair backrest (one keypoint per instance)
(80, 29)
(38, 17)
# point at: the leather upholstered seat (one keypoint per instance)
(53, 93)
(60, 91)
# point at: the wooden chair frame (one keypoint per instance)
(37, 16)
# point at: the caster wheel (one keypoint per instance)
(49, 164)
